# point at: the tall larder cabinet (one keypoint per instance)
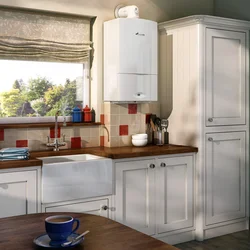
(208, 58)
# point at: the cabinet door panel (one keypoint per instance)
(89, 207)
(225, 177)
(175, 194)
(18, 193)
(135, 195)
(225, 77)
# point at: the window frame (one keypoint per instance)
(48, 119)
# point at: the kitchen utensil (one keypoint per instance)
(160, 137)
(152, 125)
(74, 239)
(164, 123)
(157, 122)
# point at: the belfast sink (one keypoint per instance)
(74, 177)
(68, 158)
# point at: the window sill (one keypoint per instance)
(48, 124)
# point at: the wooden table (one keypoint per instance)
(17, 233)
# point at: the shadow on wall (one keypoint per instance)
(156, 10)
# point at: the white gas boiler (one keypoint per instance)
(130, 60)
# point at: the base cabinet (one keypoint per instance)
(135, 195)
(155, 196)
(175, 194)
(225, 177)
(99, 207)
(19, 192)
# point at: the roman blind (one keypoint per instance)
(28, 35)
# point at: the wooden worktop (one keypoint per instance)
(17, 233)
(113, 153)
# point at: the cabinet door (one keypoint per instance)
(134, 199)
(97, 207)
(225, 74)
(225, 177)
(175, 193)
(18, 193)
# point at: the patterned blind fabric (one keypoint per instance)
(26, 35)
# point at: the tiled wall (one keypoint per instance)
(36, 138)
(121, 121)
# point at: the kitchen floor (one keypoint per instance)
(235, 241)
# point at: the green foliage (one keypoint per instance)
(11, 102)
(39, 97)
(37, 87)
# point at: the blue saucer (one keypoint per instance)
(44, 241)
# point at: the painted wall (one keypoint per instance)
(156, 10)
(239, 9)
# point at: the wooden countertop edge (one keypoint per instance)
(118, 153)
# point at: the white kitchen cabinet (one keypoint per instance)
(156, 195)
(96, 207)
(175, 192)
(225, 177)
(208, 70)
(19, 192)
(135, 194)
(225, 77)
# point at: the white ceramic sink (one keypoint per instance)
(74, 177)
(68, 158)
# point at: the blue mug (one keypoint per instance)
(60, 227)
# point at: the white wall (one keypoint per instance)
(238, 9)
(157, 10)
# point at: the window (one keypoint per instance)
(38, 90)
(44, 60)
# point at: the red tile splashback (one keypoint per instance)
(132, 108)
(76, 142)
(21, 143)
(1, 134)
(52, 132)
(123, 130)
(102, 118)
(102, 141)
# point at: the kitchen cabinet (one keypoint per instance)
(208, 66)
(156, 195)
(97, 207)
(226, 177)
(19, 191)
(175, 192)
(225, 78)
(135, 194)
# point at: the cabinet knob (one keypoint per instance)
(163, 165)
(210, 119)
(105, 207)
(152, 165)
(210, 139)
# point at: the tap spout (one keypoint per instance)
(56, 143)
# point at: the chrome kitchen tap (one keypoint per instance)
(56, 144)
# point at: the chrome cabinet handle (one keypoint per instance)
(210, 119)
(163, 165)
(152, 165)
(210, 139)
(105, 207)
